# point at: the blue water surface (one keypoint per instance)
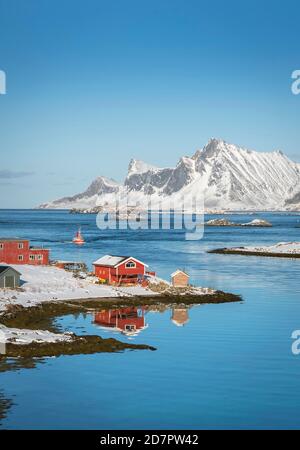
(230, 366)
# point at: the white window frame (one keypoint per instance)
(130, 327)
(20, 257)
(132, 265)
(32, 257)
(20, 246)
(40, 257)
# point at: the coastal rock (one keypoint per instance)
(220, 223)
(257, 223)
(227, 223)
(280, 250)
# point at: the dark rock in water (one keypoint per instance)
(221, 223)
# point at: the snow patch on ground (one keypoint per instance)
(47, 283)
(23, 337)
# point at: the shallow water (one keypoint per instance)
(229, 366)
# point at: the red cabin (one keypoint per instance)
(19, 251)
(120, 270)
(128, 321)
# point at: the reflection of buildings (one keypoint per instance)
(129, 321)
(180, 316)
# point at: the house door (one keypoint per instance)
(10, 281)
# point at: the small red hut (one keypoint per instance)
(120, 269)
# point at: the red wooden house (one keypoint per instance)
(120, 270)
(19, 251)
(128, 321)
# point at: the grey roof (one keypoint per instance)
(179, 271)
(12, 239)
(5, 268)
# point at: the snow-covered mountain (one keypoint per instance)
(100, 187)
(225, 175)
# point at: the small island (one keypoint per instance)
(280, 250)
(226, 223)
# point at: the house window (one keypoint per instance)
(32, 257)
(39, 257)
(1, 246)
(20, 245)
(130, 265)
(20, 258)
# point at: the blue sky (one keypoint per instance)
(91, 84)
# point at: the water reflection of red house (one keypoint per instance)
(129, 320)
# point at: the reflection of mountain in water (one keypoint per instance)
(129, 321)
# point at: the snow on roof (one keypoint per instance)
(179, 271)
(114, 260)
(110, 260)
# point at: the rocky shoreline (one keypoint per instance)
(239, 251)
(79, 345)
(42, 317)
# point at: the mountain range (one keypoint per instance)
(228, 177)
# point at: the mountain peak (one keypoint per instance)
(213, 147)
(227, 176)
(137, 166)
(216, 141)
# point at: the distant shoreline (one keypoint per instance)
(227, 251)
(206, 212)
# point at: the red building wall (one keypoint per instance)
(20, 252)
(103, 272)
(139, 269)
(113, 275)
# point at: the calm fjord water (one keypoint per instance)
(230, 366)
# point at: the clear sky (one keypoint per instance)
(93, 83)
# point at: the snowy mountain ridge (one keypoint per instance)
(228, 177)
